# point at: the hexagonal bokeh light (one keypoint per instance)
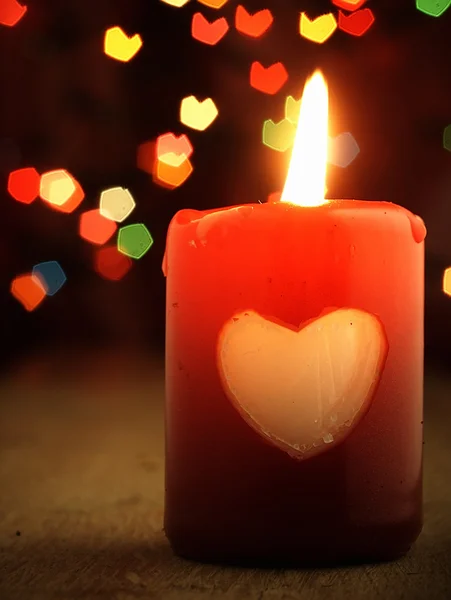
(116, 204)
(23, 184)
(28, 290)
(134, 240)
(95, 228)
(60, 190)
(111, 264)
(170, 176)
(447, 281)
(51, 276)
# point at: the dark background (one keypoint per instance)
(64, 104)
(82, 387)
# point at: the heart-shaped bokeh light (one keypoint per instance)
(317, 30)
(268, 80)
(253, 25)
(208, 32)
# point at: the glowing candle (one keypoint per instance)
(294, 371)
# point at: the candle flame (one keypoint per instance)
(306, 179)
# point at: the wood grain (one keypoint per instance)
(81, 481)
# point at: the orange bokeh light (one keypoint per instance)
(61, 191)
(447, 281)
(206, 32)
(173, 150)
(111, 264)
(23, 185)
(28, 290)
(95, 228)
(253, 25)
(213, 3)
(268, 80)
(11, 12)
(172, 176)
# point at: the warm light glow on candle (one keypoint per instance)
(306, 179)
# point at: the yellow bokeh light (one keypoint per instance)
(172, 159)
(57, 187)
(213, 3)
(198, 115)
(447, 281)
(305, 183)
(317, 30)
(119, 46)
(292, 108)
(116, 204)
(176, 3)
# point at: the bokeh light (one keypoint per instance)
(173, 150)
(268, 80)
(447, 138)
(95, 228)
(342, 150)
(253, 25)
(197, 115)
(11, 12)
(206, 32)
(433, 8)
(176, 3)
(110, 264)
(60, 190)
(172, 176)
(119, 46)
(23, 184)
(134, 240)
(447, 281)
(356, 23)
(278, 136)
(51, 276)
(213, 3)
(28, 290)
(317, 30)
(145, 156)
(116, 204)
(292, 109)
(349, 5)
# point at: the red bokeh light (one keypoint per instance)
(23, 185)
(95, 228)
(110, 264)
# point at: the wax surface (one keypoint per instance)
(233, 495)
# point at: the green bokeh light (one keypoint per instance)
(292, 109)
(278, 136)
(433, 8)
(447, 138)
(134, 240)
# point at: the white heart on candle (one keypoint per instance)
(303, 390)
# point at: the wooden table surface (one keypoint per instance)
(81, 497)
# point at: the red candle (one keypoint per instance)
(294, 372)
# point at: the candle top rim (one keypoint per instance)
(187, 217)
